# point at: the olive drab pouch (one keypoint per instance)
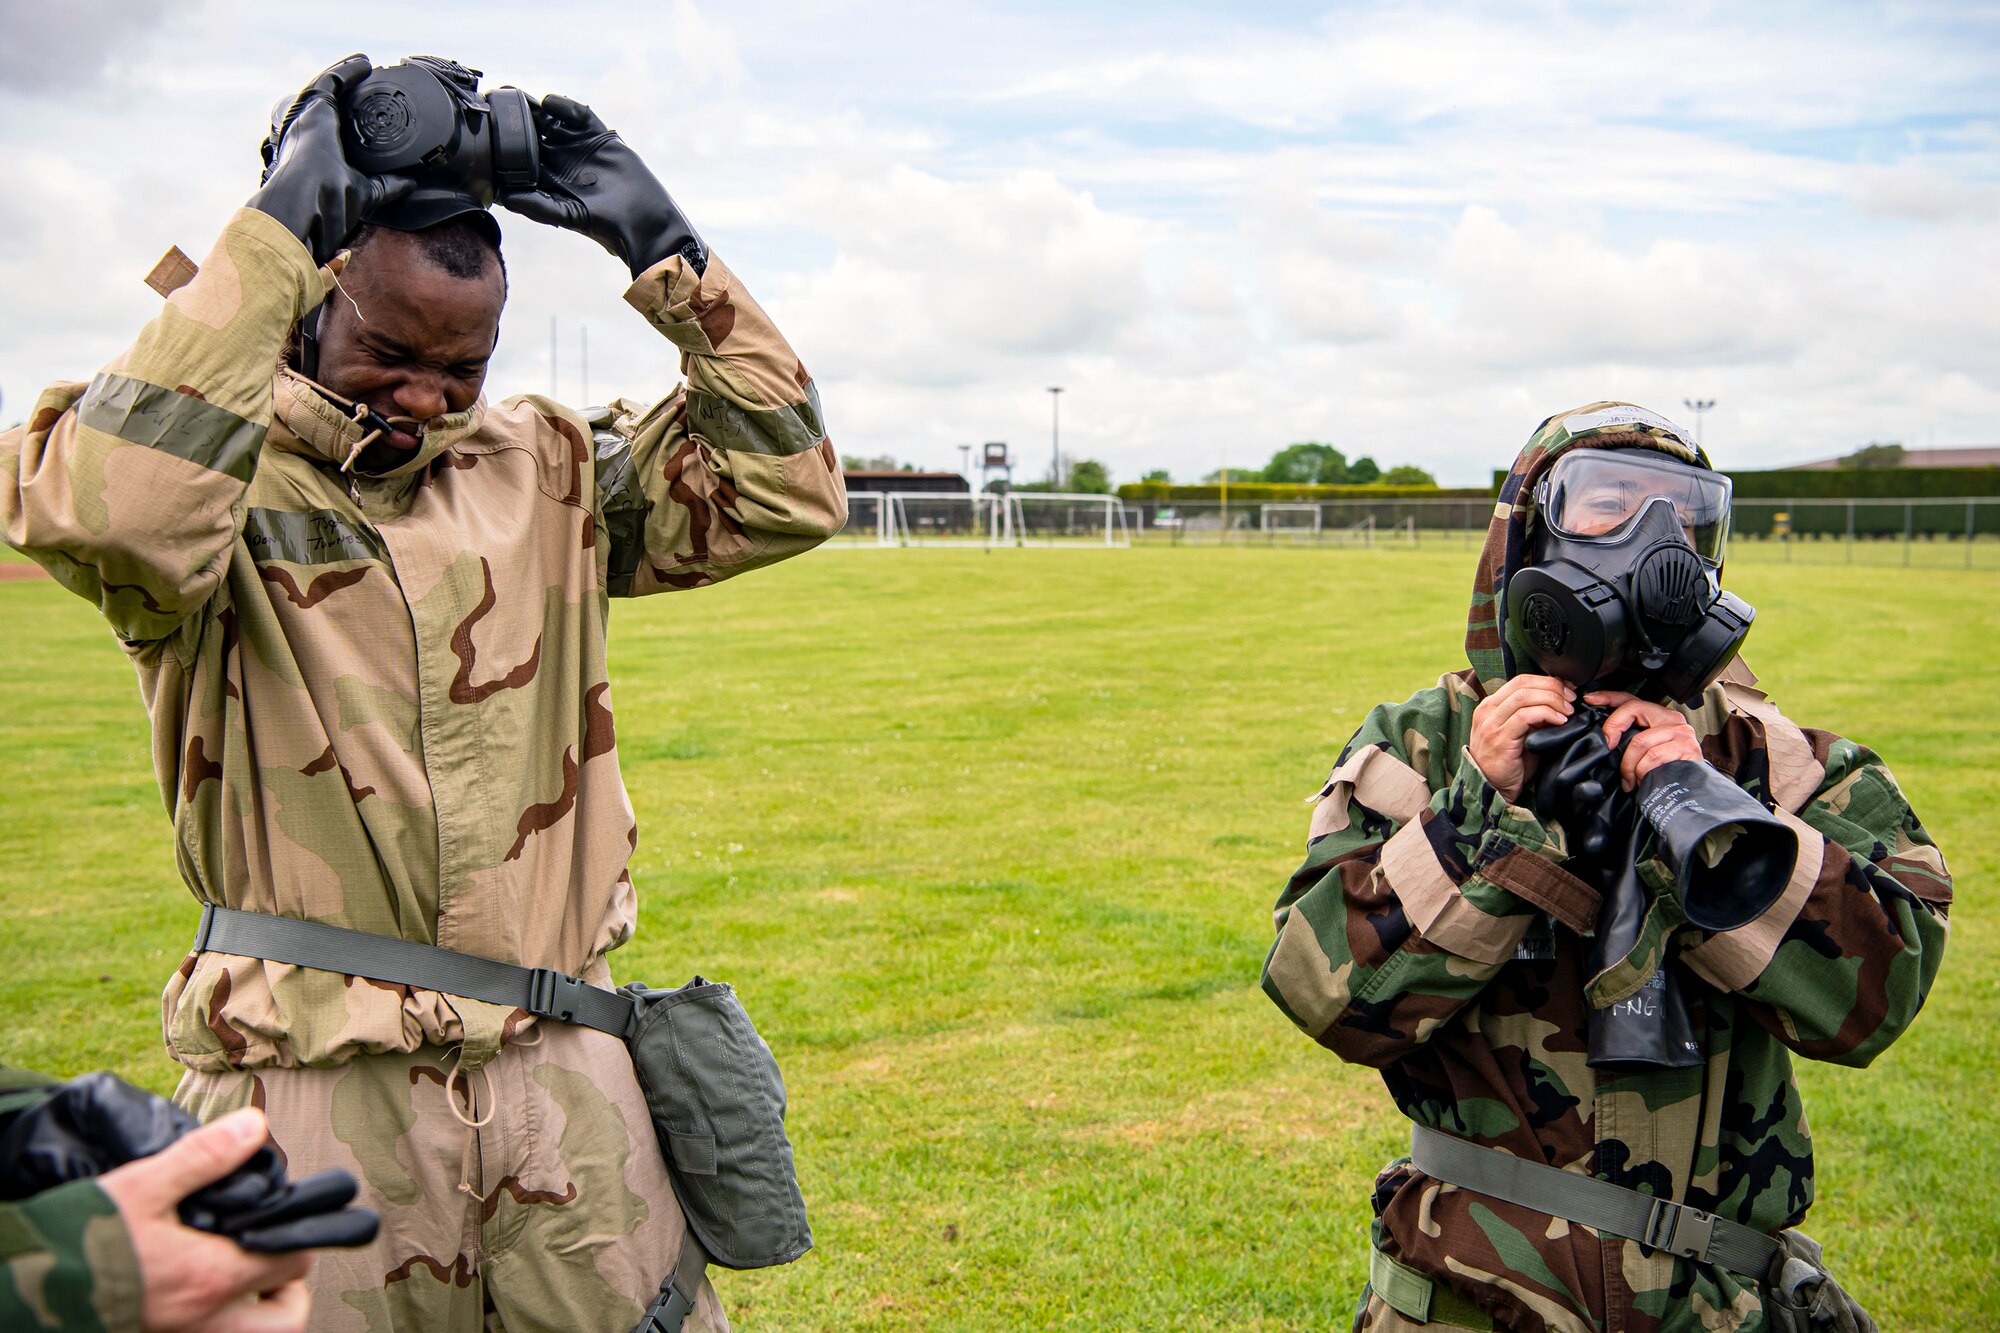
(1800, 1296)
(718, 1103)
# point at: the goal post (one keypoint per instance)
(867, 519)
(1053, 518)
(1294, 520)
(944, 518)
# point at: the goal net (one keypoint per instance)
(1293, 522)
(932, 518)
(1049, 519)
(866, 515)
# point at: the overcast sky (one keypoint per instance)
(1411, 231)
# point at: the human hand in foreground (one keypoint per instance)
(1663, 734)
(1502, 721)
(190, 1279)
(593, 183)
(98, 1122)
(308, 185)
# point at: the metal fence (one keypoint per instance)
(1941, 533)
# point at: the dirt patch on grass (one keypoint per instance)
(11, 572)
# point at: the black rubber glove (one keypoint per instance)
(95, 1123)
(592, 182)
(308, 185)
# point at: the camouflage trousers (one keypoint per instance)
(1375, 1315)
(528, 1194)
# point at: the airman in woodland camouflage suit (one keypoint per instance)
(1434, 933)
(375, 670)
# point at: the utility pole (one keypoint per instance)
(965, 462)
(1698, 406)
(1055, 437)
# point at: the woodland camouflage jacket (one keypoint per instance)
(1433, 933)
(381, 701)
(66, 1259)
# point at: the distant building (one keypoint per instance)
(942, 483)
(1974, 455)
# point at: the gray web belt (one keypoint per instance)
(1659, 1224)
(541, 991)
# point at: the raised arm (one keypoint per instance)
(732, 472)
(128, 489)
(1420, 880)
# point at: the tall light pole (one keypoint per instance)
(1698, 406)
(965, 462)
(1055, 437)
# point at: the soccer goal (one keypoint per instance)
(1361, 532)
(932, 518)
(1293, 522)
(867, 520)
(1052, 519)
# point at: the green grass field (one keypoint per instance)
(989, 843)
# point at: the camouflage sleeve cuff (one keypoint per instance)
(1460, 870)
(678, 302)
(66, 1261)
(1495, 826)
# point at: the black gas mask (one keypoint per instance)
(1623, 586)
(426, 118)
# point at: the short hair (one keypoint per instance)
(458, 245)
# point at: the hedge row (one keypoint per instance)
(1870, 483)
(1856, 483)
(1264, 492)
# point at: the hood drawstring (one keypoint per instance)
(361, 414)
(455, 1085)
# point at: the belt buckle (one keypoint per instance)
(1679, 1229)
(553, 994)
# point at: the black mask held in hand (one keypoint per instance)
(425, 118)
(1635, 609)
(309, 186)
(99, 1122)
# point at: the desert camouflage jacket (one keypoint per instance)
(66, 1260)
(381, 701)
(1434, 933)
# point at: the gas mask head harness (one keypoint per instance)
(1623, 586)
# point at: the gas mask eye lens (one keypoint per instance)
(1598, 492)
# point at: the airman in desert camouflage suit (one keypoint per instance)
(379, 699)
(1434, 933)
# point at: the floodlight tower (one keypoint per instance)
(1698, 406)
(965, 462)
(1055, 437)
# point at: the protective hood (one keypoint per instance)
(305, 421)
(1603, 425)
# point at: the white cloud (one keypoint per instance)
(1413, 232)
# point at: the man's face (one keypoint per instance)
(419, 344)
